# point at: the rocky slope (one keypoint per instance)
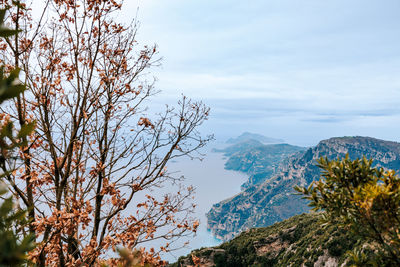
(273, 199)
(260, 162)
(257, 159)
(299, 241)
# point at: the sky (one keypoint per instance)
(298, 70)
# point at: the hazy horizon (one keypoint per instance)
(301, 71)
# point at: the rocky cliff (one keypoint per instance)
(257, 159)
(272, 199)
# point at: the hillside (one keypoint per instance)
(257, 160)
(299, 241)
(272, 200)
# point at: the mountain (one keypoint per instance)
(256, 159)
(239, 147)
(302, 240)
(258, 137)
(273, 199)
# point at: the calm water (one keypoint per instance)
(213, 183)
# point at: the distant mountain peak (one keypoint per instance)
(246, 136)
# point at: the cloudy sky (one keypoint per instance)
(298, 70)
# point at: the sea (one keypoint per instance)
(213, 183)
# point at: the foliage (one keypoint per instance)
(10, 87)
(90, 172)
(299, 240)
(13, 247)
(128, 259)
(364, 199)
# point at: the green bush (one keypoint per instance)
(13, 249)
(365, 200)
(13, 246)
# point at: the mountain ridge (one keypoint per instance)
(272, 199)
(256, 159)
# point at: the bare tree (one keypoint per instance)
(89, 170)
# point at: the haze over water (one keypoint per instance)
(213, 183)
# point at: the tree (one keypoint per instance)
(364, 199)
(89, 172)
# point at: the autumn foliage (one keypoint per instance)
(90, 172)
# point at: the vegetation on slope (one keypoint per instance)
(359, 225)
(259, 161)
(273, 200)
(365, 200)
(303, 240)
